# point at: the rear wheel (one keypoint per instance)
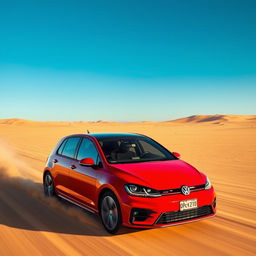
(110, 212)
(48, 185)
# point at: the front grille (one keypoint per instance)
(171, 217)
(174, 191)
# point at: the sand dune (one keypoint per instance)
(22, 122)
(216, 119)
(33, 225)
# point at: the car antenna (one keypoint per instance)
(88, 132)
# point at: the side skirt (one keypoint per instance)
(76, 203)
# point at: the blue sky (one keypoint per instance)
(126, 60)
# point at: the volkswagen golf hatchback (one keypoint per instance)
(128, 179)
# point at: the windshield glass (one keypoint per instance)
(133, 149)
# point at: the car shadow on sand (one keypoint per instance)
(23, 206)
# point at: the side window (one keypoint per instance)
(70, 147)
(88, 149)
(61, 147)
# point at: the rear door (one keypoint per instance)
(83, 179)
(63, 163)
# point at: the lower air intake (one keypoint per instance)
(172, 217)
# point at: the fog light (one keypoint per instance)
(138, 214)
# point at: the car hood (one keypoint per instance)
(161, 174)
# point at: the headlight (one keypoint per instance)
(137, 190)
(208, 184)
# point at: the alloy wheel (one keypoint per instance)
(109, 213)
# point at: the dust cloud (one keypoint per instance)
(15, 172)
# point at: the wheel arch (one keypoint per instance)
(102, 191)
(46, 170)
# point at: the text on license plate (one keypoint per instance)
(188, 204)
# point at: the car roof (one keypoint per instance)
(100, 136)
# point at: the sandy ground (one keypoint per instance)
(223, 148)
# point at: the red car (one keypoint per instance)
(128, 179)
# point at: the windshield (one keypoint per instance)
(133, 150)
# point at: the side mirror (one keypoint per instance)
(176, 154)
(87, 162)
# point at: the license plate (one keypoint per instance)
(188, 204)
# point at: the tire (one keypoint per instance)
(49, 189)
(110, 212)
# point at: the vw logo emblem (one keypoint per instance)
(185, 190)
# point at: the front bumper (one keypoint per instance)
(165, 210)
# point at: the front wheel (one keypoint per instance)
(48, 185)
(110, 212)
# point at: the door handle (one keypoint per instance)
(55, 160)
(73, 166)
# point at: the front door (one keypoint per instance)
(82, 178)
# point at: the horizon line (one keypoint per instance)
(109, 121)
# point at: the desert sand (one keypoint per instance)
(222, 146)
